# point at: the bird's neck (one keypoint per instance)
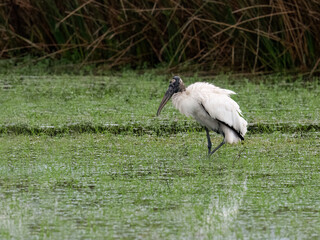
(182, 87)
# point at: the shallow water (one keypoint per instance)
(86, 158)
(124, 186)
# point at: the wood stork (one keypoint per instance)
(211, 106)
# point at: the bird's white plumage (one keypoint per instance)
(213, 108)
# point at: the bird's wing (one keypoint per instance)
(218, 104)
(224, 109)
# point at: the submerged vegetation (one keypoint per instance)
(127, 103)
(211, 35)
(86, 157)
(98, 186)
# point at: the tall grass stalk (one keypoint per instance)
(269, 35)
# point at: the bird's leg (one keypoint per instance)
(209, 141)
(217, 148)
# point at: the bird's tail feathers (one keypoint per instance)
(230, 136)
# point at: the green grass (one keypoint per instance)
(69, 103)
(125, 186)
(91, 181)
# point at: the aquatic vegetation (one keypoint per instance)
(88, 154)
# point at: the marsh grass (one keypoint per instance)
(125, 186)
(213, 35)
(89, 181)
(127, 103)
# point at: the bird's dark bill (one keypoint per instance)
(165, 99)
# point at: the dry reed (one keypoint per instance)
(243, 36)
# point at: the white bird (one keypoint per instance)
(211, 106)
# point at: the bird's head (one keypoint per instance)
(176, 85)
